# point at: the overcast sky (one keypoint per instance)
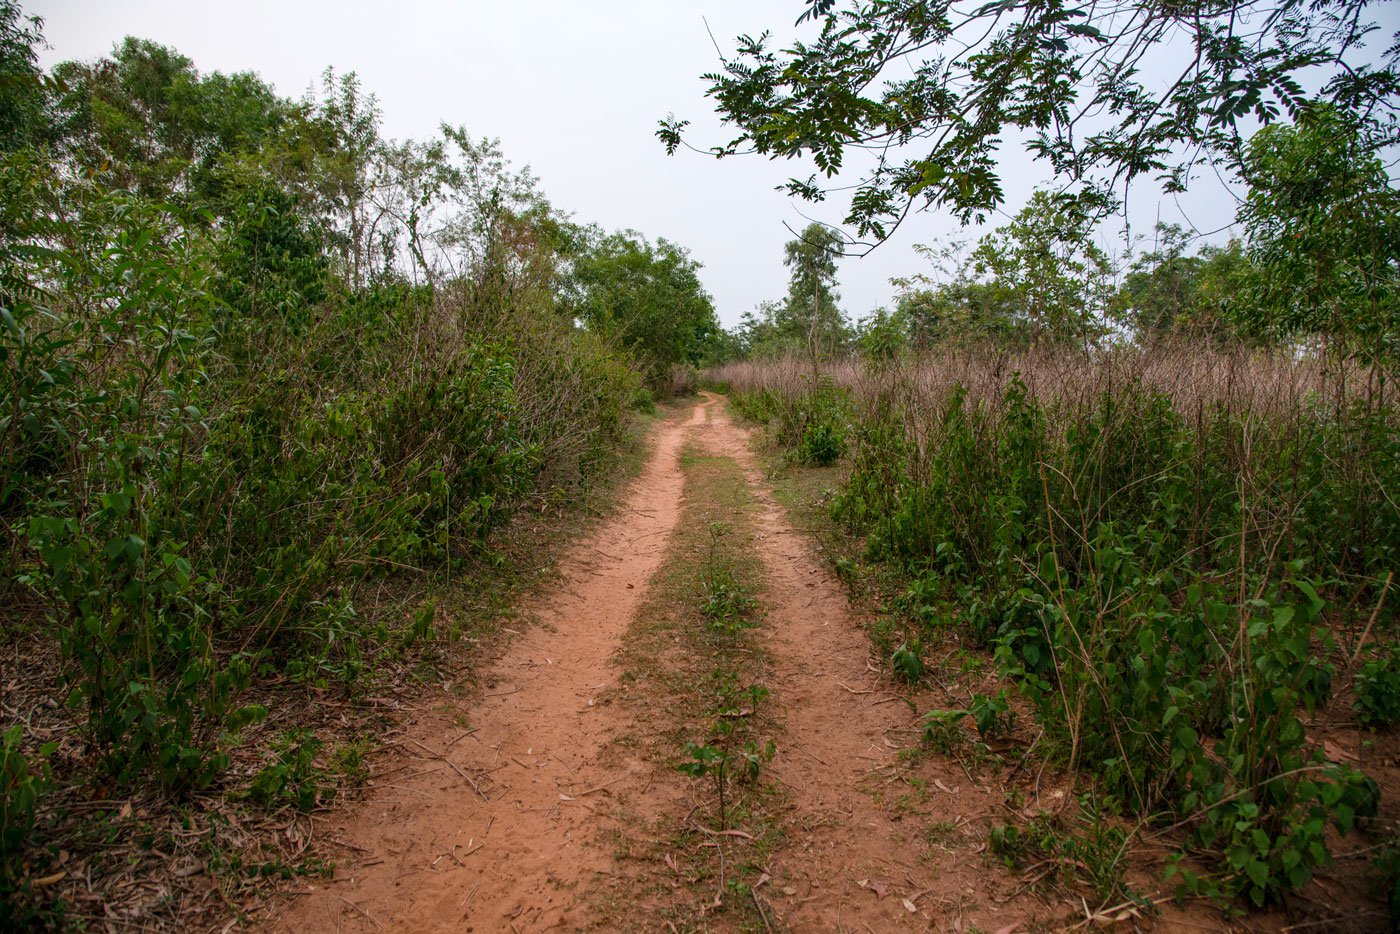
(572, 89)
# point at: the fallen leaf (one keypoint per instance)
(733, 833)
(1337, 753)
(880, 889)
(910, 906)
(565, 798)
(50, 880)
(1009, 929)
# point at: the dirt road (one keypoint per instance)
(495, 813)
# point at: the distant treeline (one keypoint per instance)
(1317, 266)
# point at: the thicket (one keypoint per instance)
(1161, 561)
(1161, 547)
(255, 361)
(1162, 502)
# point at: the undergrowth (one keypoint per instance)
(217, 458)
(1169, 573)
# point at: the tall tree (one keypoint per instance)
(1158, 293)
(646, 296)
(1323, 221)
(1045, 267)
(810, 312)
(22, 97)
(147, 121)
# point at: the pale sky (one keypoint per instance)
(574, 90)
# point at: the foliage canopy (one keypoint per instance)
(931, 91)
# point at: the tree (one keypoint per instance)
(759, 336)
(963, 311)
(953, 306)
(1158, 293)
(930, 89)
(1207, 295)
(884, 335)
(1221, 294)
(22, 92)
(1324, 231)
(145, 120)
(647, 297)
(810, 312)
(1045, 267)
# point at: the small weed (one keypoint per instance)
(907, 662)
(846, 569)
(350, 761)
(943, 732)
(993, 714)
(942, 833)
(727, 605)
(1092, 848)
(293, 777)
(722, 757)
(884, 632)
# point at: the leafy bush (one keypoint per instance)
(293, 777)
(811, 424)
(1378, 690)
(211, 444)
(23, 780)
(1153, 580)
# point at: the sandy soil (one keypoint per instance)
(854, 860)
(503, 813)
(494, 830)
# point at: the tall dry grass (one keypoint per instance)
(1191, 375)
(1173, 553)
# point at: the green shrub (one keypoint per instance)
(907, 663)
(23, 781)
(215, 445)
(1377, 689)
(1105, 549)
(293, 777)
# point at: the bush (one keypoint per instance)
(1153, 578)
(1378, 690)
(811, 425)
(23, 780)
(215, 445)
(292, 778)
